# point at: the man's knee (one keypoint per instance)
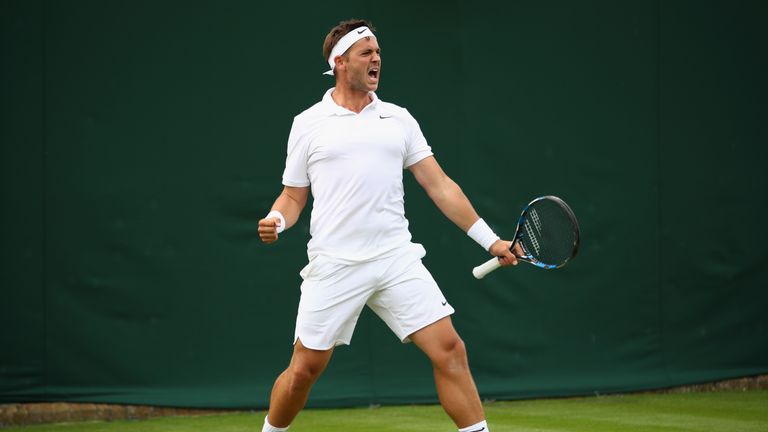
(451, 355)
(302, 375)
(306, 367)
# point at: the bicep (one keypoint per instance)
(445, 193)
(297, 194)
(429, 174)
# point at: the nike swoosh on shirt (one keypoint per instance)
(445, 303)
(384, 117)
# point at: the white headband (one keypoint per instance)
(344, 43)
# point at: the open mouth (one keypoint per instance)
(373, 73)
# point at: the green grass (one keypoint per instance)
(718, 411)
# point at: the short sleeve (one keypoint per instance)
(295, 173)
(416, 147)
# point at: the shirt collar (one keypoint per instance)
(332, 108)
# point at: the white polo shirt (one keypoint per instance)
(354, 164)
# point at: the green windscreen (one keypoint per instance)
(141, 142)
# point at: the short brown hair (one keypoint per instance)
(339, 31)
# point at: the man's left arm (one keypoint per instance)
(450, 199)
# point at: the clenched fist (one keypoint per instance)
(268, 229)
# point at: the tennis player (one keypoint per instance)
(351, 150)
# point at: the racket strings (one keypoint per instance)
(550, 234)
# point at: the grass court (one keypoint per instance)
(725, 411)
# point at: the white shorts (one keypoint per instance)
(398, 288)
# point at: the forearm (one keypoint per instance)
(450, 199)
(290, 204)
(456, 206)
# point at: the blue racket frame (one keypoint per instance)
(519, 233)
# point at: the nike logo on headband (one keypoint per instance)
(361, 31)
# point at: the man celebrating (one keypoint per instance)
(351, 149)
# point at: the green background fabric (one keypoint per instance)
(142, 141)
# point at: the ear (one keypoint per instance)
(339, 61)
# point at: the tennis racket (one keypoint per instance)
(547, 232)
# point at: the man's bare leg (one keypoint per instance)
(455, 387)
(291, 389)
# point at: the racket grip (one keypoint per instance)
(483, 269)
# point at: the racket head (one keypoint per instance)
(547, 232)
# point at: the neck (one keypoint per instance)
(353, 100)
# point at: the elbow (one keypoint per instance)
(447, 192)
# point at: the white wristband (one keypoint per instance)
(482, 234)
(277, 214)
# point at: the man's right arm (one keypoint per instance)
(290, 203)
